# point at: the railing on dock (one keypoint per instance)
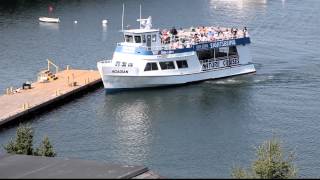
(52, 64)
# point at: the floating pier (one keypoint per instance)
(50, 89)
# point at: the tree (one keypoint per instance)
(270, 163)
(45, 148)
(24, 142)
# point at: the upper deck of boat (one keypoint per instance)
(173, 41)
(196, 35)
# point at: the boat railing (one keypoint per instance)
(215, 63)
(178, 43)
(105, 61)
(174, 45)
(128, 44)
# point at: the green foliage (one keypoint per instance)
(270, 163)
(24, 142)
(240, 173)
(45, 148)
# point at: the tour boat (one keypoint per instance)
(50, 20)
(152, 58)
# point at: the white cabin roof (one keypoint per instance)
(140, 31)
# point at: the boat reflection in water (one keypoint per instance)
(131, 117)
(51, 26)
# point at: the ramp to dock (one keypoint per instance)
(16, 104)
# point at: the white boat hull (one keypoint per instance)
(49, 20)
(112, 83)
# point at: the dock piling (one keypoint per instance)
(58, 92)
(26, 106)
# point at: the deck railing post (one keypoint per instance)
(50, 62)
(72, 79)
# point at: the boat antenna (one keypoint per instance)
(122, 14)
(140, 16)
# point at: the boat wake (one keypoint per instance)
(243, 80)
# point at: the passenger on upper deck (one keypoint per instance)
(173, 31)
(173, 34)
(196, 38)
(234, 32)
(183, 38)
(245, 32)
(165, 36)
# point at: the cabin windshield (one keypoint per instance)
(128, 38)
(137, 39)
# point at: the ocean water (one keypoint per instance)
(197, 131)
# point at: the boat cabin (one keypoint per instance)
(148, 38)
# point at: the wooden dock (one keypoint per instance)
(17, 104)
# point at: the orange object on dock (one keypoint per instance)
(16, 104)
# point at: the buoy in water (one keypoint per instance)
(104, 22)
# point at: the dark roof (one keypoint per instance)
(23, 166)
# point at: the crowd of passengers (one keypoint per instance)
(185, 38)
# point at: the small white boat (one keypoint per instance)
(50, 20)
(104, 22)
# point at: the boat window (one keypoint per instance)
(154, 66)
(143, 38)
(221, 52)
(224, 49)
(216, 52)
(233, 50)
(167, 65)
(205, 54)
(154, 38)
(182, 64)
(130, 65)
(129, 38)
(118, 63)
(151, 67)
(137, 39)
(124, 64)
